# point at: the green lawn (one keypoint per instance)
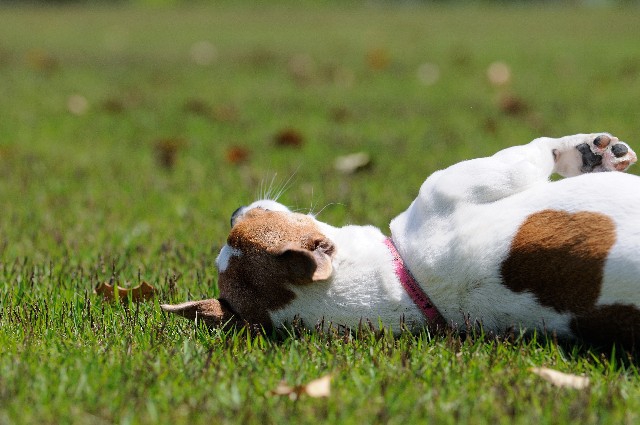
(90, 100)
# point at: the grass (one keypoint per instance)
(85, 198)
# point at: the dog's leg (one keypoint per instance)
(515, 169)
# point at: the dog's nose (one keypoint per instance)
(237, 213)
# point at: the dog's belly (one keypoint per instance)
(488, 262)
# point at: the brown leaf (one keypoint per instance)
(197, 107)
(289, 137)
(340, 114)
(560, 379)
(114, 105)
(142, 292)
(317, 388)
(167, 151)
(512, 105)
(237, 155)
(41, 61)
(378, 59)
(302, 68)
(225, 113)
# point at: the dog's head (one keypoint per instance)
(269, 251)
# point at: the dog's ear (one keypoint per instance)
(214, 313)
(309, 264)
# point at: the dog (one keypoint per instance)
(489, 241)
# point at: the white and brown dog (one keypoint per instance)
(490, 240)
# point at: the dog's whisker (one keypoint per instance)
(285, 186)
(312, 206)
(271, 189)
(328, 205)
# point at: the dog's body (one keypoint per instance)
(489, 240)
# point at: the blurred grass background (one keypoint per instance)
(128, 134)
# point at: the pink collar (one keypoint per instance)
(413, 288)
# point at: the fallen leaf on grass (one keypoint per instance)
(512, 105)
(77, 104)
(560, 379)
(349, 164)
(42, 61)
(289, 137)
(167, 151)
(197, 107)
(378, 58)
(302, 68)
(340, 114)
(317, 388)
(499, 73)
(237, 155)
(225, 113)
(114, 105)
(142, 292)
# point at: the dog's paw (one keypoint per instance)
(605, 153)
(582, 153)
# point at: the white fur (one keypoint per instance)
(363, 286)
(456, 234)
(222, 262)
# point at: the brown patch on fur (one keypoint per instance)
(279, 249)
(560, 257)
(616, 322)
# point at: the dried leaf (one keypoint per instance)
(340, 114)
(560, 379)
(349, 164)
(378, 59)
(197, 107)
(320, 387)
(225, 113)
(289, 137)
(167, 151)
(499, 73)
(237, 155)
(317, 388)
(512, 105)
(302, 68)
(77, 104)
(42, 61)
(114, 105)
(142, 292)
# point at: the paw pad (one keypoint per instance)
(602, 141)
(605, 153)
(619, 150)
